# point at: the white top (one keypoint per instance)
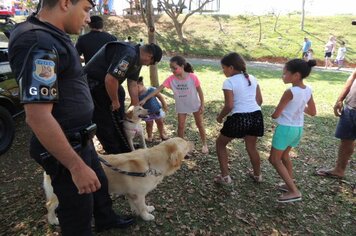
(244, 95)
(185, 93)
(329, 46)
(293, 113)
(341, 52)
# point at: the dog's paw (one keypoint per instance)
(52, 220)
(147, 216)
(150, 208)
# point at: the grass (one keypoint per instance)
(189, 203)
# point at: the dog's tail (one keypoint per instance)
(51, 200)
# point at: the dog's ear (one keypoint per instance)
(176, 156)
(129, 112)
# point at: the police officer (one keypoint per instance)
(106, 71)
(58, 109)
(88, 44)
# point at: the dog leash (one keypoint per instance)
(135, 174)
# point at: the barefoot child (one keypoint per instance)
(154, 110)
(289, 114)
(243, 99)
(188, 96)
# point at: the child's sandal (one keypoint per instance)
(226, 180)
(256, 178)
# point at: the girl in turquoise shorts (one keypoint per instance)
(289, 114)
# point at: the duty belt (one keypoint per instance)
(77, 139)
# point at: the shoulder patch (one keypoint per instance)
(123, 65)
(44, 71)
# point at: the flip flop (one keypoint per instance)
(292, 199)
(327, 173)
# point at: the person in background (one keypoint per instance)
(140, 42)
(59, 111)
(341, 53)
(309, 55)
(306, 46)
(289, 114)
(244, 120)
(129, 40)
(156, 114)
(329, 50)
(188, 96)
(90, 43)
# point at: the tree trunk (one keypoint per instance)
(260, 23)
(303, 15)
(152, 39)
(179, 29)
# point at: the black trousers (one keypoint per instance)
(112, 141)
(75, 211)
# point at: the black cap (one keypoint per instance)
(92, 2)
(156, 52)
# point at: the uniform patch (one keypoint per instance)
(44, 71)
(123, 65)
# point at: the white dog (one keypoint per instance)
(157, 162)
(132, 125)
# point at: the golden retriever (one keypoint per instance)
(162, 160)
(132, 125)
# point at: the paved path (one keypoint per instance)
(255, 64)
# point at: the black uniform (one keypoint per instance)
(88, 44)
(48, 70)
(120, 60)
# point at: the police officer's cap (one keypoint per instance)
(92, 2)
(156, 52)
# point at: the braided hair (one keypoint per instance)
(237, 62)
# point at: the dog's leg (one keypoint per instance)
(131, 198)
(130, 141)
(142, 208)
(142, 137)
(51, 200)
(150, 208)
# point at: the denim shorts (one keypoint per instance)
(346, 127)
(286, 136)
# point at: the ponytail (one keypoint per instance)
(182, 62)
(300, 66)
(188, 68)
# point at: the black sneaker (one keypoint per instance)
(119, 223)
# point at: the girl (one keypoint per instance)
(329, 50)
(289, 115)
(154, 109)
(243, 101)
(188, 96)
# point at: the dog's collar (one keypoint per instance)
(149, 172)
(129, 120)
